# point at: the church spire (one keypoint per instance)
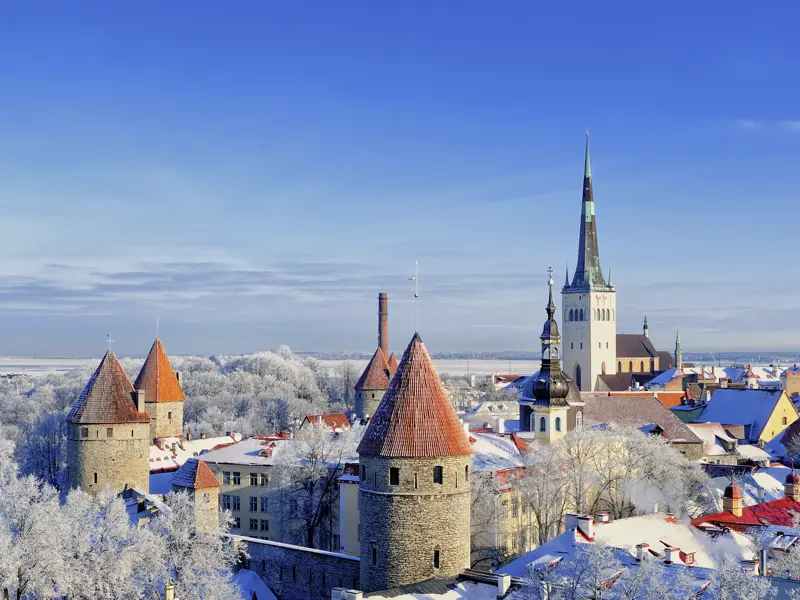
(678, 353)
(566, 281)
(588, 274)
(551, 387)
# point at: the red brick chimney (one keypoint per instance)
(383, 323)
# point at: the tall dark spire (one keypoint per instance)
(587, 272)
(551, 387)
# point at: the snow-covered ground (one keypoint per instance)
(33, 366)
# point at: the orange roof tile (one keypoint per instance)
(415, 418)
(107, 397)
(392, 363)
(332, 420)
(377, 374)
(157, 379)
(195, 475)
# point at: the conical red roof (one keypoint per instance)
(392, 363)
(194, 475)
(377, 374)
(107, 397)
(415, 419)
(157, 379)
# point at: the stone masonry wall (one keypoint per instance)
(166, 419)
(406, 524)
(367, 402)
(297, 573)
(117, 461)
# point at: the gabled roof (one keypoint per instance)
(777, 512)
(332, 420)
(157, 379)
(377, 374)
(415, 418)
(392, 363)
(107, 397)
(637, 411)
(665, 360)
(634, 345)
(195, 475)
(741, 407)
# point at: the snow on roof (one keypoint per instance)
(658, 530)
(713, 436)
(252, 451)
(764, 375)
(753, 452)
(770, 479)
(252, 586)
(167, 459)
(741, 407)
(461, 590)
(494, 453)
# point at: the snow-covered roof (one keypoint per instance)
(494, 453)
(461, 590)
(172, 452)
(253, 451)
(753, 452)
(741, 407)
(714, 437)
(765, 375)
(252, 586)
(770, 479)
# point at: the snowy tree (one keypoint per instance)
(42, 449)
(592, 569)
(308, 469)
(485, 491)
(197, 563)
(731, 582)
(543, 487)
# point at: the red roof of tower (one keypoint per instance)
(392, 363)
(194, 475)
(377, 374)
(776, 512)
(157, 379)
(415, 419)
(107, 397)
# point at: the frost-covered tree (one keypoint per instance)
(42, 448)
(485, 492)
(731, 582)
(308, 470)
(543, 488)
(197, 563)
(583, 576)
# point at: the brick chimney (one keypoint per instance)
(138, 399)
(383, 323)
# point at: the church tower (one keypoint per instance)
(414, 484)
(589, 303)
(550, 388)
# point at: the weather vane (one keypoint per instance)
(415, 279)
(157, 324)
(109, 341)
(550, 276)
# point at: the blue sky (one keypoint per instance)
(256, 172)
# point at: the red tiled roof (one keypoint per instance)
(392, 363)
(157, 378)
(107, 397)
(521, 444)
(775, 512)
(377, 374)
(415, 418)
(195, 475)
(332, 420)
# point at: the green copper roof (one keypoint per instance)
(678, 342)
(587, 169)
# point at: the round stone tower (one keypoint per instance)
(108, 432)
(163, 394)
(414, 488)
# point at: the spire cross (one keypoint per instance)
(550, 276)
(157, 324)
(415, 279)
(109, 341)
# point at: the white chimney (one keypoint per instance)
(139, 400)
(586, 525)
(503, 583)
(760, 494)
(641, 550)
(671, 555)
(603, 518)
(570, 521)
(466, 427)
(499, 425)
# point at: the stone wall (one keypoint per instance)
(297, 573)
(404, 525)
(166, 419)
(96, 460)
(367, 402)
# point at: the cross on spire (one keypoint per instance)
(109, 341)
(415, 279)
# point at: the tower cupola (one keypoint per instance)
(551, 387)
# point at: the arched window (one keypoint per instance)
(785, 421)
(608, 314)
(619, 366)
(603, 367)
(436, 559)
(542, 424)
(630, 366)
(578, 374)
(652, 365)
(641, 366)
(572, 345)
(558, 423)
(579, 421)
(571, 314)
(598, 314)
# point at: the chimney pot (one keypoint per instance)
(189, 436)
(139, 400)
(179, 377)
(640, 551)
(670, 554)
(586, 525)
(203, 436)
(570, 521)
(169, 592)
(603, 518)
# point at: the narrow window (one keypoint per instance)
(394, 476)
(131, 432)
(253, 478)
(264, 479)
(438, 475)
(237, 478)
(785, 420)
(571, 314)
(579, 421)
(374, 556)
(581, 345)
(253, 504)
(323, 579)
(466, 472)
(253, 524)
(542, 424)
(263, 565)
(84, 432)
(630, 366)
(236, 503)
(363, 473)
(95, 477)
(619, 366)
(641, 366)
(109, 432)
(436, 559)
(373, 395)
(226, 477)
(572, 345)
(558, 423)
(603, 367)
(415, 481)
(169, 415)
(264, 504)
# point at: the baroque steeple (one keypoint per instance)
(588, 274)
(551, 387)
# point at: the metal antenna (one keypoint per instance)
(109, 341)
(157, 324)
(415, 279)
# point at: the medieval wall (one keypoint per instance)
(166, 419)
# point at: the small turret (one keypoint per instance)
(678, 352)
(645, 328)
(791, 487)
(732, 498)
